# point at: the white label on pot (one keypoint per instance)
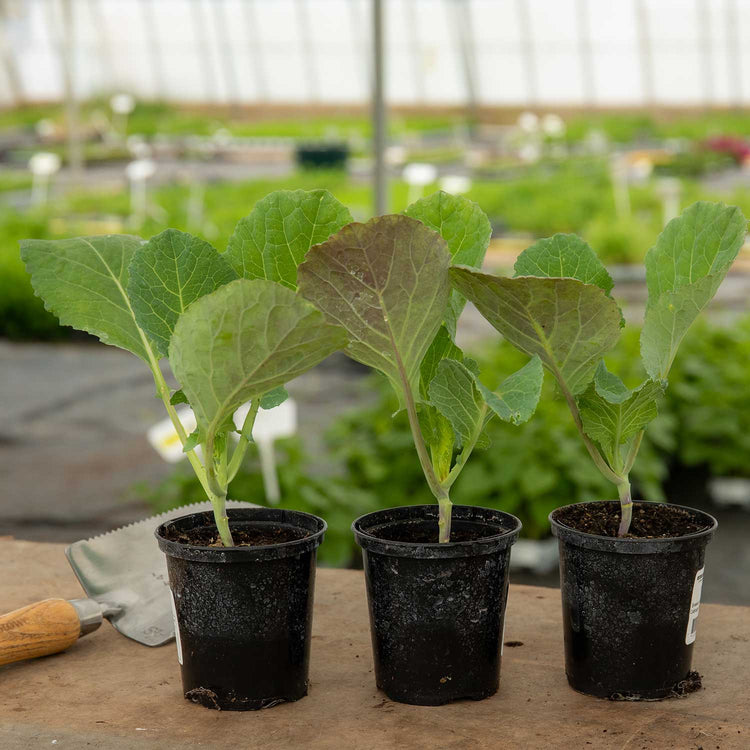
(176, 628)
(695, 605)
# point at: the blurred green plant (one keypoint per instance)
(709, 397)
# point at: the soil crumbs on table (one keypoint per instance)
(650, 521)
(248, 536)
(692, 683)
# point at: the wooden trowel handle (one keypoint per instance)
(37, 630)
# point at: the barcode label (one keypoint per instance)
(695, 605)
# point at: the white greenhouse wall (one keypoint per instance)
(555, 52)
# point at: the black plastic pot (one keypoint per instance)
(629, 609)
(244, 614)
(436, 610)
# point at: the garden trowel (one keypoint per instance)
(124, 575)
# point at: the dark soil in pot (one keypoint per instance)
(436, 610)
(243, 613)
(630, 605)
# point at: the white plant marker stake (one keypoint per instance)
(620, 187)
(42, 165)
(553, 125)
(138, 172)
(122, 105)
(456, 184)
(164, 438)
(270, 425)
(417, 175)
(670, 190)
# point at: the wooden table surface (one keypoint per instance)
(110, 692)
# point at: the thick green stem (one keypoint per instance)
(466, 451)
(163, 390)
(214, 493)
(626, 507)
(222, 523)
(245, 437)
(445, 510)
(597, 457)
(437, 489)
(217, 485)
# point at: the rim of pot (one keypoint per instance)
(363, 525)
(239, 517)
(633, 546)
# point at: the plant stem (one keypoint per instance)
(597, 457)
(438, 490)
(463, 456)
(445, 511)
(245, 437)
(626, 506)
(163, 390)
(214, 493)
(217, 483)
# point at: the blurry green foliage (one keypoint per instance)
(709, 395)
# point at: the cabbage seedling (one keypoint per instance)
(386, 283)
(558, 307)
(232, 326)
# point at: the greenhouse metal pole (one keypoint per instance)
(221, 27)
(412, 28)
(585, 52)
(251, 23)
(465, 37)
(156, 62)
(9, 61)
(379, 123)
(527, 52)
(303, 22)
(734, 52)
(644, 46)
(703, 22)
(67, 50)
(361, 42)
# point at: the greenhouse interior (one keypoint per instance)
(440, 312)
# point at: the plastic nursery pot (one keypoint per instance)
(436, 610)
(630, 607)
(243, 614)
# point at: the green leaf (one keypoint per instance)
(684, 269)
(613, 424)
(83, 282)
(243, 340)
(569, 324)
(609, 386)
(167, 273)
(467, 231)
(194, 439)
(386, 282)
(178, 397)
(442, 347)
(440, 438)
(273, 398)
(454, 393)
(564, 255)
(516, 398)
(273, 240)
